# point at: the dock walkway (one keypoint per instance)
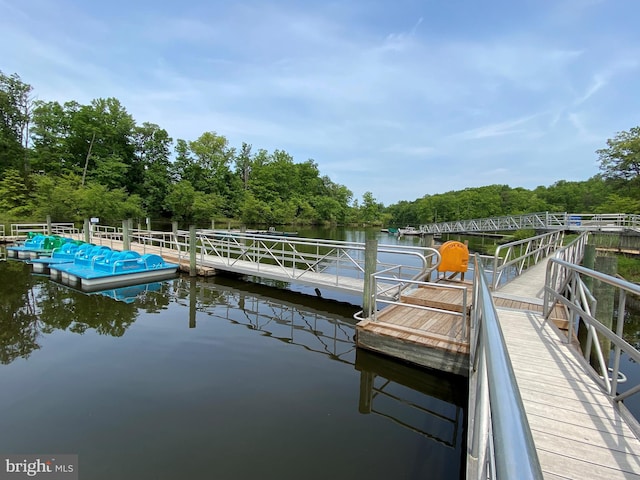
(577, 431)
(207, 265)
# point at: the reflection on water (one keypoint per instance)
(217, 378)
(303, 323)
(397, 391)
(131, 293)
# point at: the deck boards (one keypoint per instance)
(426, 329)
(438, 297)
(586, 437)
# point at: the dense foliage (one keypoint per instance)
(73, 161)
(596, 195)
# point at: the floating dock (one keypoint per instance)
(428, 327)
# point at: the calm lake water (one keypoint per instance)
(214, 379)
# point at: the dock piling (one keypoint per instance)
(370, 260)
(192, 251)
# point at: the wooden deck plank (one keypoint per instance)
(557, 465)
(438, 296)
(587, 438)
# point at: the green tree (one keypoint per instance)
(95, 200)
(620, 161)
(15, 106)
(152, 146)
(49, 135)
(86, 140)
(212, 157)
(14, 200)
(255, 211)
(243, 164)
(205, 207)
(57, 196)
(619, 204)
(371, 210)
(107, 128)
(180, 200)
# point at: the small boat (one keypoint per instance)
(273, 231)
(64, 254)
(37, 246)
(409, 231)
(82, 258)
(113, 269)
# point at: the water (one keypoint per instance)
(216, 378)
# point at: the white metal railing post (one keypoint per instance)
(622, 300)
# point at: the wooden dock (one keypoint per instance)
(426, 329)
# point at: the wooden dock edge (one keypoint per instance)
(435, 358)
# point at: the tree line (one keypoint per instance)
(74, 161)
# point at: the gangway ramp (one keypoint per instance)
(318, 263)
(577, 431)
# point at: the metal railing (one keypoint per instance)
(381, 296)
(295, 258)
(64, 229)
(573, 252)
(498, 436)
(22, 229)
(565, 284)
(511, 259)
(146, 241)
(539, 221)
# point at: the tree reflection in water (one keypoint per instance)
(33, 306)
(19, 325)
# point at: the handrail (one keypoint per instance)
(538, 221)
(522, 254)
(564, 284)
(21, 229)
(499, 438)
(64, 229)
(378, 297)
(297, 257)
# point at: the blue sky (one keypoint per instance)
(400, 98)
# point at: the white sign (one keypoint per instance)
(95, 220)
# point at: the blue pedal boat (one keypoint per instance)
(37, 246)
(64, 254)
(32, 244)
(82, 258)
(115, 269)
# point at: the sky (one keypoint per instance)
(399, 98)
